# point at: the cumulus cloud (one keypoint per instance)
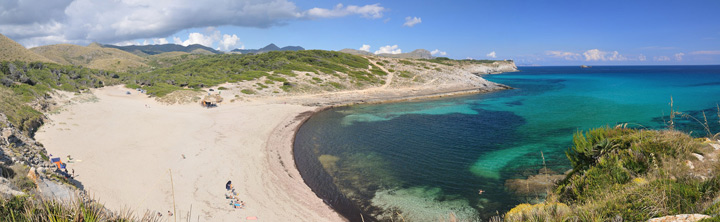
(565, 55)
(679, 56)
(412, 21)
(388, 49)
(438, 52)
(661, 58)
(597, 55)
(365, 48)
(642, 57)
(369, 11)
(705, 53)
(160, 41)
(491, 55)
(38, 22)
(209, 38)
(229, 42)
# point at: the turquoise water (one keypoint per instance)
(428, 158)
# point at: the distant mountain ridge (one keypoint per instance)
(416, 54)
(157, 49)
(269, 48)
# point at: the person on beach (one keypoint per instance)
(228, 185)
(169, 213)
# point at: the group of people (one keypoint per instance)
(235, 201)
(169, 214)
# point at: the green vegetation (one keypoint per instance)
(26, 82)
(336, 85)
(212, 70)
(630, 174)
(405, 62)
(404, 74)
(30, 208)
(247, 91)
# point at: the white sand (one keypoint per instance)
(126, 151)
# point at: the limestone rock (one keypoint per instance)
(680, 218)
(8, 190)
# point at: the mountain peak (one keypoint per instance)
(271, 47)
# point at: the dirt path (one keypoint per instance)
(389, 78)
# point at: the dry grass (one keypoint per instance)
(92, 56)
(12, 51)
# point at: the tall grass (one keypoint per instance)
(32, 208)
(632, 175)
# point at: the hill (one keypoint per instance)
(416, 54)
(157, 49)
(13, 51)
(269, 48)
(93, 56)
(356, 52)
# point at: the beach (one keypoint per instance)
(132, 153)
(124, 154)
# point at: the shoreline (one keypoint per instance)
(125, 145)
(304, 117)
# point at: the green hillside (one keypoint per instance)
(206, 71)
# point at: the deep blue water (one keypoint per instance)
(428, 158)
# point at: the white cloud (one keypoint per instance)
(597, 55)
(469, 58)
(438, 52)
(365, 48)
(661, 58)
(160, 41)
(705, 53)
(491, 55)
(198, 38)
(565, 55)
(642, 57)
(229, 42)
(679, 56)
(367, 11)
(389, 50)
(39, 22)
(412, 21)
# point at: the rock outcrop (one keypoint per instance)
(491, 68)
(680, 218)
(17, 147)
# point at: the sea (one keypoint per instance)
(425, 160)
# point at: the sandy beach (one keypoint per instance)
(124, 153)
(125, 149)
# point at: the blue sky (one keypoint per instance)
(529, 32)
